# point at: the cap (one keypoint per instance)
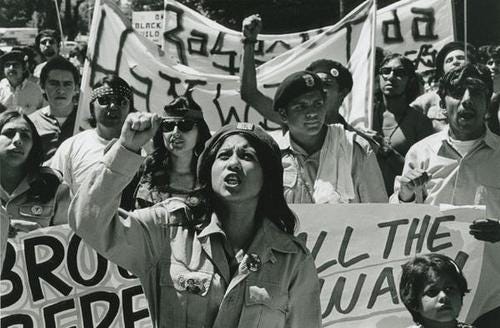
(183, 108)
(263, 141)
(449, 47)
(333, 69)
(295, 85)
(15, 54)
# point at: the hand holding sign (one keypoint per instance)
(138, 129)
(412, 181)
(251, 27)
(486, 230)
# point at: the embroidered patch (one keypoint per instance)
(36, 210)
(245, 126)
(309, 80)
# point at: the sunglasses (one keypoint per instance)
(107, 100)
(458, 92)
(397, 71)
(183, 125)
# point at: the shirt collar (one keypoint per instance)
(5, 82)
(213, 227)
(490, 139)
(288, 145)
(268, 238)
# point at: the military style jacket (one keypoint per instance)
(183, 267)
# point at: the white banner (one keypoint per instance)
(114, 47)
(415, 28)
(51, 278)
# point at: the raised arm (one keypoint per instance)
(248, 75)
(130, 240)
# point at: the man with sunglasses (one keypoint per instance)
(459, 165)
(47, 42)
(111, 102)
(55, 123)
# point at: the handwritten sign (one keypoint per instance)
(53, 279)
(417, 29)
(156, 77)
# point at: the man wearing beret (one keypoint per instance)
(337, 80)
(16, 90)
(322, 163)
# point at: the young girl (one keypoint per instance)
(432, 288)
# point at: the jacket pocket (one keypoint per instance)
(37, 212)
(266, 304)
(184, 296)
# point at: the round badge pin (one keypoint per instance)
(334, 72)
(36, 210)
(254, 262)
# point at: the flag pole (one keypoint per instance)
(372, 65)
(59, 24)
(465, 30)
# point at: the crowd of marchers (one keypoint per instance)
(202, 219)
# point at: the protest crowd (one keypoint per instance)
(200, 215)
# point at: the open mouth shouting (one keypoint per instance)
(232, 180)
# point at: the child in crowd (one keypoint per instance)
(432, 288)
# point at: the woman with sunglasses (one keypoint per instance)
(32, 196)
(396, 124)
(171, 169)
(225, 258)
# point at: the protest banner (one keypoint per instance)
(156, 78)
(149, 24)
(415, 28)
(53, 279)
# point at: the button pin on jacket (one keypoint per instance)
(36, 210)
(253, 262)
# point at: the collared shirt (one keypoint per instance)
(300, 171)
(51, 132)
(183, 267)
(27, 96)
(471, 179)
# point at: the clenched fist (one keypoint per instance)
(138, 129)
(251, 27)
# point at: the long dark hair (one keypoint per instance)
(36, 154)
(157, 164)
(272, 203)
(412, 89)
